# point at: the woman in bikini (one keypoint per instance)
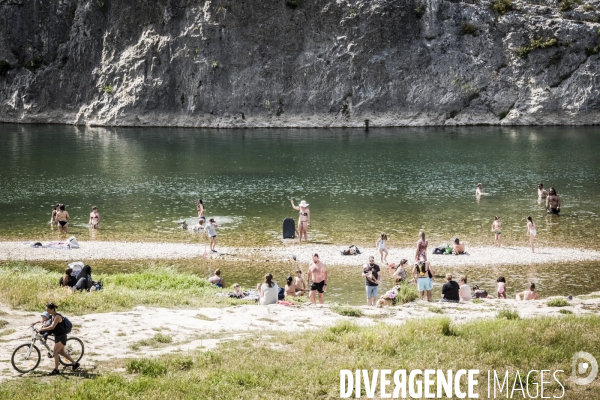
(94, 221)
(421, 246)
(200, 208)
(531, 232)
(62, 219)
(304, 219)
(217, 280)
(53, 215)
(497, 229)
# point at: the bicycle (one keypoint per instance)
(27, 356)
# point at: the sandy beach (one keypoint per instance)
(330, 254)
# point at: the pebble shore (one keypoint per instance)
(329, 254)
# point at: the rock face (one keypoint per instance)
(307, 63)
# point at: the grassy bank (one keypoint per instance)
(27, 287)
(307, 365)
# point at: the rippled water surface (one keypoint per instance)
(396, 180)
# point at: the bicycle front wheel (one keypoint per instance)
(25, 358)
(74, 348)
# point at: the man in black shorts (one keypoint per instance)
(317, 272)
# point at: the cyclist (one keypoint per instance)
(57, 328)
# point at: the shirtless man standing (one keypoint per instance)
(317, 272)
(542, 193)
(530, 294)
(479, 191)
(552, 202)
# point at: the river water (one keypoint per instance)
(397, 180)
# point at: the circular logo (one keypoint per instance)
(589, 367)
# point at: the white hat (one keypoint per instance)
(303, 204)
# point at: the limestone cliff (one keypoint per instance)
(249, 63)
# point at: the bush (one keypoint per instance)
(589, 51)
(541, 43)
(420, 10)
(468, 29)
(565, 5)
(557, 303)
(589, 7)
(407, 293)
(435, 309)
(107, 89)
(447, 327)
(502, 6)
(508, 314)
(35, 63)
(161, 338)
(146, 367)
(477, 301)
(562, 311)
(293, 4)
(343, 327)
(348, 311)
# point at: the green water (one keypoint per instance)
(396, 180)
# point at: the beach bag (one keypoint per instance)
(289, 228)
(281, 293)
(439, 250)
(448, 250)
(97, 285)
(73, 243)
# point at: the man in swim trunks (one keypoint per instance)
(530, 294)
(552, 202)
(317, 272)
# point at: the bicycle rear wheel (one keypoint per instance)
(25, 358)
(74, 348)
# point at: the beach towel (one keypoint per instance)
(286, 303)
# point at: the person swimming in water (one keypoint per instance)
(531, 232)
(62, 219)
(94, 221)
(200, 208)
(497, 229)
(303, 220)
(479, 190)
(542, 193)
(53, 215)
(552, 202)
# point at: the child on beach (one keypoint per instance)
(46, 321)
(380, 245)
(531, 232)
(212, 233)
(501, 287)
(497, 229)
